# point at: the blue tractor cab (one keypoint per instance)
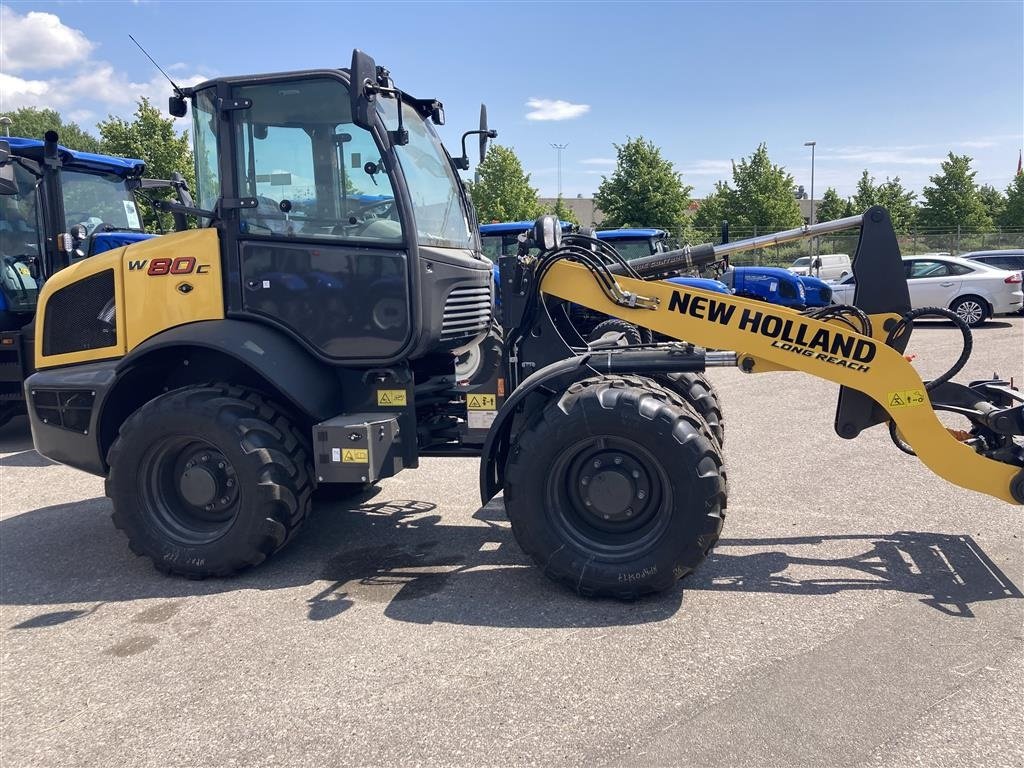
(58, 206)
(634, 243)
(778, 286)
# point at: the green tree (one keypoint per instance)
(644, 190)
(1013, 212)
(32, 123)
(899, 202)
(952, 199)
(761, 195)
(993, 200)
(564, 212)
(711, 212)
(831, 207)
(150, 137)
(866, 194)
(503, 191)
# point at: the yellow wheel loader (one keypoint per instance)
(306, 335)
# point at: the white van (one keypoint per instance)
(833, 266)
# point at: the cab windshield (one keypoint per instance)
(93, 199)
(433, 186)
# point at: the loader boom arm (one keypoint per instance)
(767, 337)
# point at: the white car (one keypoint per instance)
(832, 266)
(973, 290)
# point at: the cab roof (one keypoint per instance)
(628, 234)
(510, 227)
(72, 158)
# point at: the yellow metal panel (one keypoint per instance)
(169, 281)
(67, 276)
(784, 338)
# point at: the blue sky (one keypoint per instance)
(891, 87)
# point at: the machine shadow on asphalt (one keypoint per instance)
(399, 553)
(949, 571)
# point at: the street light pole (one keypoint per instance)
(814, 242)
(558, 148)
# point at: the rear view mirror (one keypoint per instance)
(362, 99)
(485, 132)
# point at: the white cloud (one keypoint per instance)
(709, 168)
(873, 156)
(39, 41)
(18, 92)
(554, 109)
(598, 161)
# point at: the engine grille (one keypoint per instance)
(80, 316)
(467, 312)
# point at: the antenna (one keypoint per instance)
(177, 91)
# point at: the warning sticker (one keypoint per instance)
(481, 419)
(479, 402)
(906, 398)
(355, 456)
(391, 397)
(335, 454)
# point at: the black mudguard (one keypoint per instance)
(310, 386)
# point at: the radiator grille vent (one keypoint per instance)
(80, 316)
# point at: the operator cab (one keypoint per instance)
(343, 221)
(51, 191)
(634, 243)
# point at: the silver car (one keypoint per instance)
(975, 291)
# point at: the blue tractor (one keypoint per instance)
(58, 206)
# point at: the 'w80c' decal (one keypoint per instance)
(182, 265)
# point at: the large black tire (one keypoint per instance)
(617, 488)
(699, 392)
(208, 480)
(629, 334)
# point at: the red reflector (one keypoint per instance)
(1015, 278)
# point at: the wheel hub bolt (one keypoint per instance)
(224, 500)
(208, 507)
(220, 465)
(206, 457)
(607, 517)
(597, 463)
(641, 494)
(230, 482)
(636, 474)
(587, 502)
(618, 459)
(584, 480)
(629, 511)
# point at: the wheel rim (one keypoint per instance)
(468, 363)
(970, 311)
(190, 488)
(610, 497)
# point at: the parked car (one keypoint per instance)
(1009, 258)
(832, 266)
(975, 291)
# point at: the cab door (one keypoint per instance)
(932, 282)
(323, 252)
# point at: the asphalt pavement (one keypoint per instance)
(859, 611)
